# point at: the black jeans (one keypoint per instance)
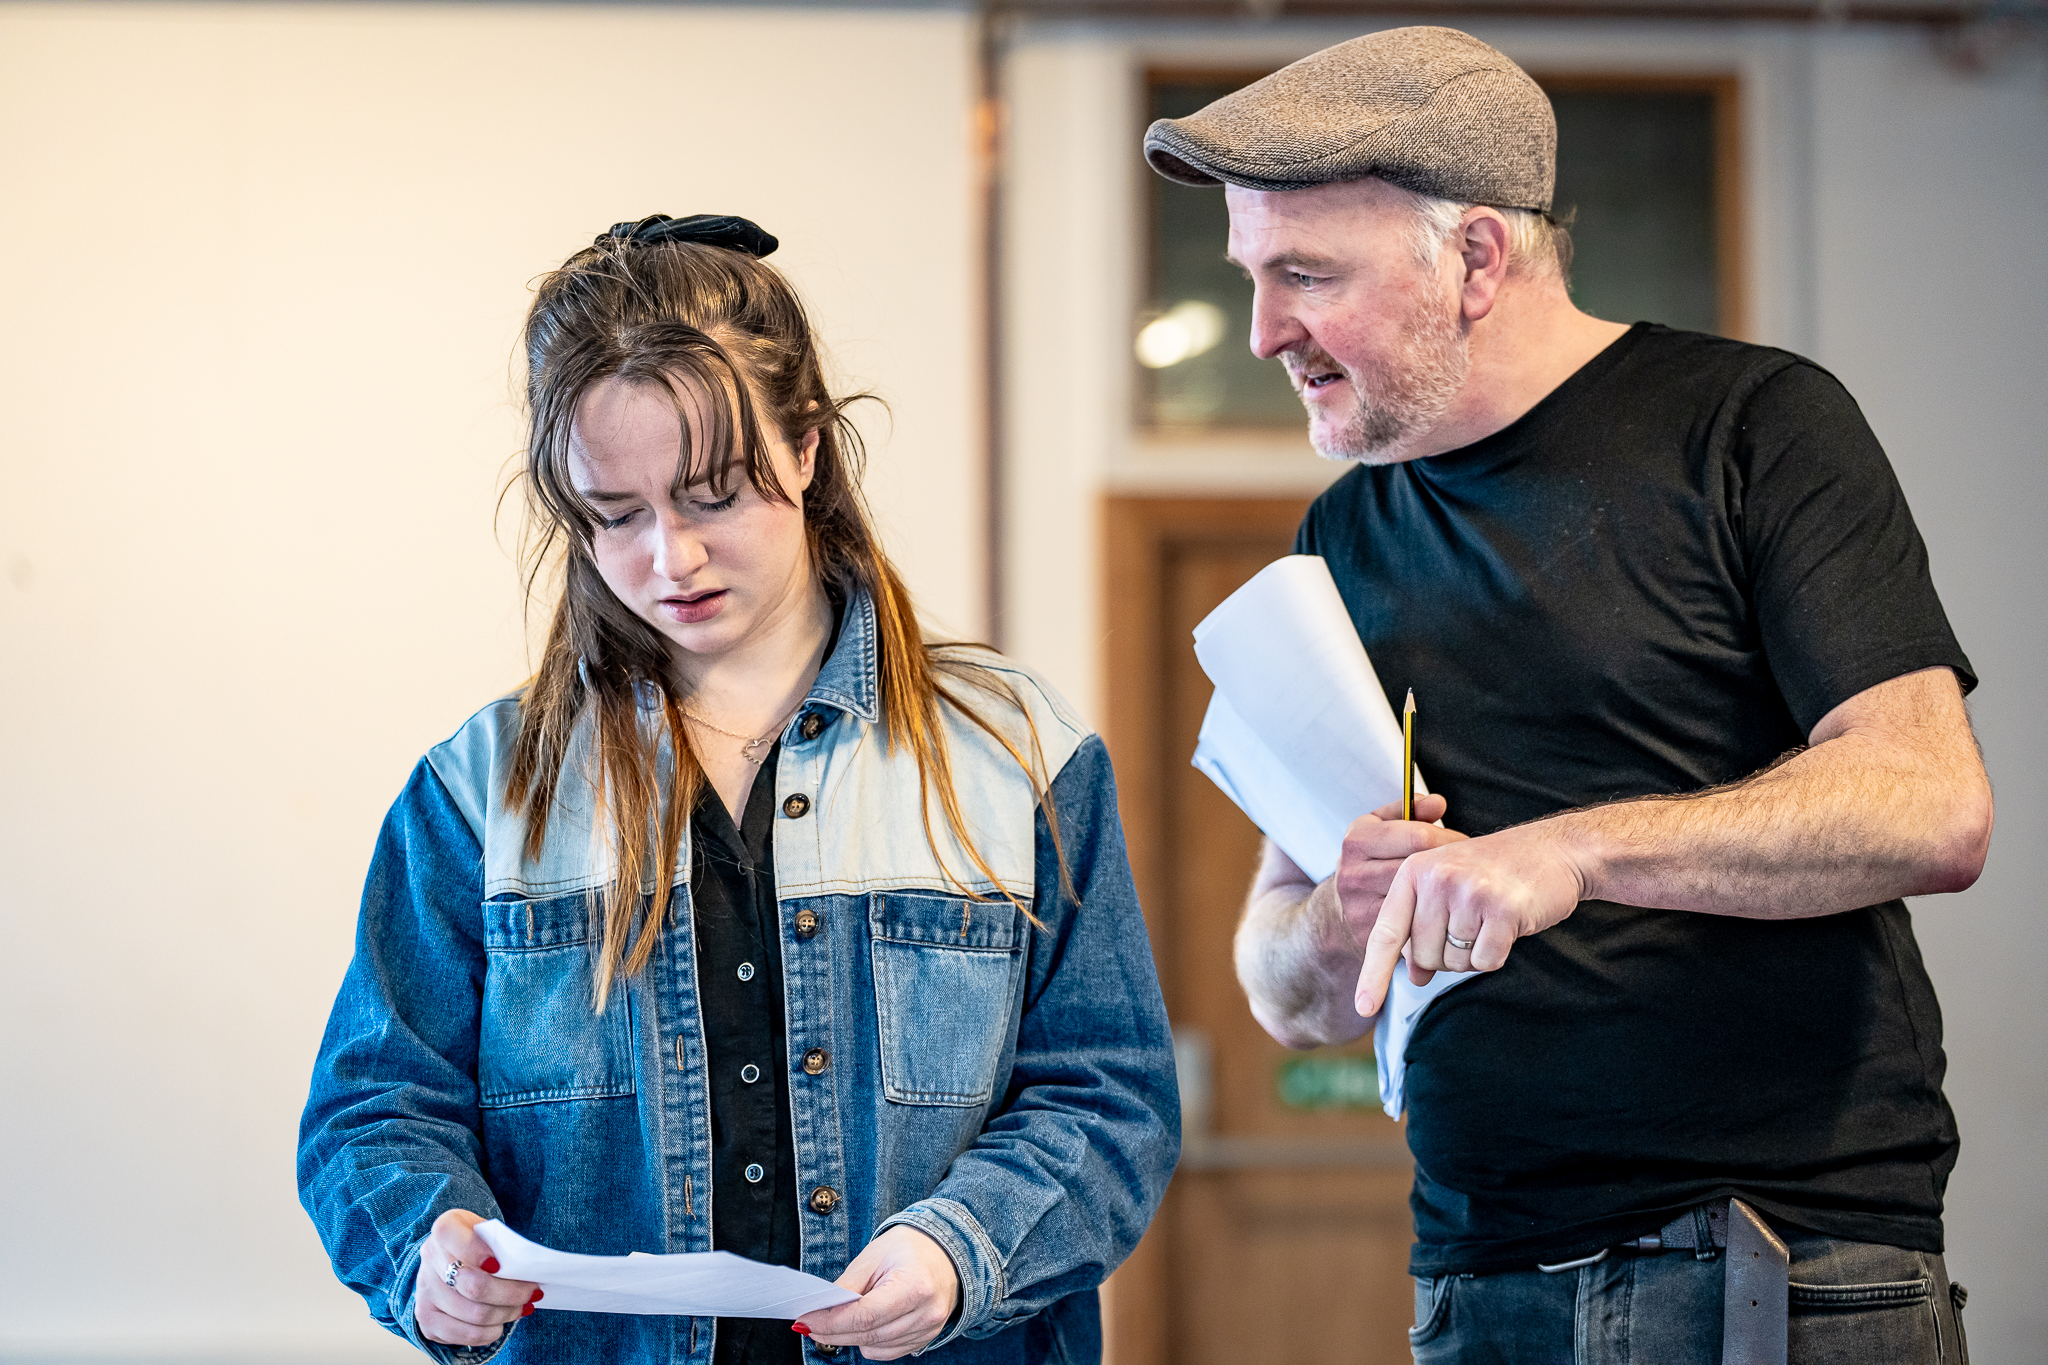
(1852, 1303)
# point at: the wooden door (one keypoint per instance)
(1285, 1234)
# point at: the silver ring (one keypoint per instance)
(449, 1275)
(1457, 942)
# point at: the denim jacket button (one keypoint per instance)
(824, 1199)
(796, 805)
(816, 1060)
(807, 924)
(812, 726)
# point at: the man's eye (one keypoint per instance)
(1301, 281)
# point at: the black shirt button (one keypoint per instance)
(746, 972)
(754, 1174)
(816, 1060)
(750, 1073)
(812, 726)
(824, 1199)
(796, 805)
(807, 923)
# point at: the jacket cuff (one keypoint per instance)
(975, 1261)
(409, 1322)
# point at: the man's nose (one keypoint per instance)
(678, 551)
(1274, 328)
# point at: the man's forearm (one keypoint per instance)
(1860, 818)
(1298, 962)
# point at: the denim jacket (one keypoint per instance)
(1004, 1088)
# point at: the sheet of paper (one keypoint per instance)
(1299, 734)
(709, 1284)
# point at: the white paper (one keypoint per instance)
(704, 1284)
(1299, 734)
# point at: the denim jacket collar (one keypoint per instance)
(850, 678)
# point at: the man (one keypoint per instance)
(1696, 719)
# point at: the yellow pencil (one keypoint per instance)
(1408, 758)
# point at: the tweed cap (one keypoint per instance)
(1432, 110)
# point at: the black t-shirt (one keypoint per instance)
(739, 987)
(1659, 578)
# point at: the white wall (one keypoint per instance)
(264, 267)
(1896, 213)
(1931, 294)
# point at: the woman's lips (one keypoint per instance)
(698, 607)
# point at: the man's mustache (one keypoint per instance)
(1300, 364)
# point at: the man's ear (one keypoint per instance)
(1483, 248)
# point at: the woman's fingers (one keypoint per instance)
(907, 1286)
(461, 1302)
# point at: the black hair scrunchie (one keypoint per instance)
(707, 229)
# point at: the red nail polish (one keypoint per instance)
(489, 1266)
(527, 1311)
(799, 1329)
(538, 1295)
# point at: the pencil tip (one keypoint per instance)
(1411, 701)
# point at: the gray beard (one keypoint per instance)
(1399, 403)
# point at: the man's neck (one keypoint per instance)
(1531, 341)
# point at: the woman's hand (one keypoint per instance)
(475, 1310)
(908, 1287)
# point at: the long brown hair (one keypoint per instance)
(726, 327)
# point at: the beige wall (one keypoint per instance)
(264, 268)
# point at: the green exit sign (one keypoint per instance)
(1344, 1081)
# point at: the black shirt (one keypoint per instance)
(1659, 578)
(739, 987)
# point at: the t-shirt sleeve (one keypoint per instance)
(1844, 600)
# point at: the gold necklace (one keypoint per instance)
(748, 744)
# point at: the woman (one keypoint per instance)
(754, 921)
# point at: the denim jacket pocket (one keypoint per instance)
(541, 1038)
(945, 970)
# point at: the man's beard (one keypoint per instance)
(1400, 402)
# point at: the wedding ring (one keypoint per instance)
(1457, 942)
(448, 1275)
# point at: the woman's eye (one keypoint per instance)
(724, 504)
(614, 523)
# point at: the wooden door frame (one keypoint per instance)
(1140, 536)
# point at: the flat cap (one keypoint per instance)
(1432, 110)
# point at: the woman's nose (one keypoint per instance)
(678, 552)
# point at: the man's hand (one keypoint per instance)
(1487, 892)
(908, 1287)
(1301, 945)
(1375, 848)
(474, 1311)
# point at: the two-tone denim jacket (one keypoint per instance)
(1006, 1088)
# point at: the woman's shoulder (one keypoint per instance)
(1017, 701)
(471, 762)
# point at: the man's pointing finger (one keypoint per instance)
(1383, 945)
